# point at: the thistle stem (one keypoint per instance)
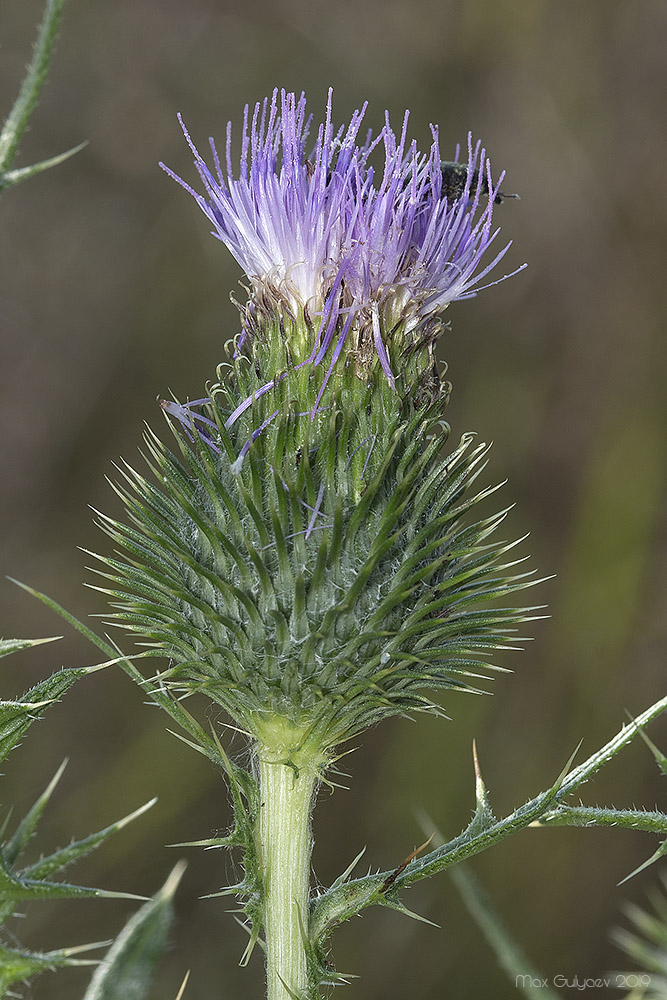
(284, 847)
(32, 85)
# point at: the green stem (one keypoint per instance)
(284, 846)
(32, 85)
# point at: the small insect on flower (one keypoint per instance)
(455, 178)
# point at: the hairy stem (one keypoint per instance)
(284, 846)
(32, 85)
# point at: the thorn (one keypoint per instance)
(210, 842)
(181, 991)
(479, 782)
(389, 881)
(415, 916)
(566, 770)
(660, 853)
(235, 729)
(660, 758)
(173, 879)
(350, 868)
(481, 794)
(134, 815)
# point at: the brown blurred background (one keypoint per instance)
(112, 291)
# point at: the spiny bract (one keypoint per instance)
(330, 575)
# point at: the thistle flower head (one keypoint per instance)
(324, 572)
(365, 257)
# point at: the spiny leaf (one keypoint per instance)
(18, 889)
(17, 965)
(660, 758)
(17, 716)
(128, 967)
(26, 827)
(344, 901)
(8, 646)
(656, 856)
(161, 697)
(33, 882)
(606, 753)
(60, 859)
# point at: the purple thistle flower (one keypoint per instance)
(190, 420)
(285, 218)
(326, 236)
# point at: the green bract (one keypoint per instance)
(332, 575)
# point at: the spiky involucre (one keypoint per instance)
(335, 573)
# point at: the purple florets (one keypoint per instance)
(354, 248)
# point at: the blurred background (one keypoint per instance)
(112, 291)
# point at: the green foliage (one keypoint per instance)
(128, 967)
(18, 715)
(34, 881)
(349, 897)
(153, 687)
(346, 899)
(8, 646)
(324, 572)
(26, 102)
(18, 966)
(243, 787)
(659, 757)
(22, 880)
